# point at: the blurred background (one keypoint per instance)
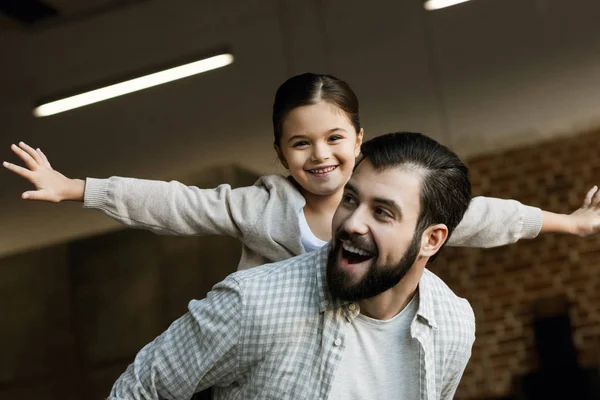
(512, 85)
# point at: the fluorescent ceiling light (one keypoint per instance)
(431, 5)
(133, 85)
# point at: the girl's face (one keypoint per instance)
(319, 146)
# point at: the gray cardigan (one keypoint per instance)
(264, 217)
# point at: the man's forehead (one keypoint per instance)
(402, 185)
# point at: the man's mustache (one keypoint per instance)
(358, 241)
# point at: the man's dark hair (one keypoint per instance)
(445, 185)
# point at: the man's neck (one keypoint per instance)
(391, 302)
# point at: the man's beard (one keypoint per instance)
(377, 279)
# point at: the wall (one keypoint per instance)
(73, 316)
(502, 284)
(483, 75)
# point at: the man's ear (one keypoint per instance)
(359, 140)
(432, 239)
(280, 156)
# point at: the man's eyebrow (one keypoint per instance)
(332, 130)
(388, 202)
(350, 188)
(391, 204)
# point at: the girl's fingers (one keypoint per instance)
(23, 172)
(34, 195)
(588, 197)
(23, 155)
(44, 158)
(30, 150)
(596, 198)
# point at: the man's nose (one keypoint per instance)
(356, 223)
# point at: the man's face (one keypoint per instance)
(375, 243)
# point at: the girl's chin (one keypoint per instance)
(323, 191)
(322, 187)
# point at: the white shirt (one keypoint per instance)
(309, 241)
(381, 360)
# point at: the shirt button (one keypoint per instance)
(337, 341)
(352, 307)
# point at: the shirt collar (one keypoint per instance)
(426, 311)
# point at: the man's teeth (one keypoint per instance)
(354, 250)
(323, 170)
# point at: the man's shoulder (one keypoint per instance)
(452, 312)
(278, 301)
(291, 276)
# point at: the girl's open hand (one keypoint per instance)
(586, 220)
(51, 185)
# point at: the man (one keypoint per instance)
(359, 319)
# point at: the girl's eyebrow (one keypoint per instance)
(296, 137)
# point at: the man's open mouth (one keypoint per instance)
(355, 255)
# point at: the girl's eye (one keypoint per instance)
(300, 143)
(335, 138)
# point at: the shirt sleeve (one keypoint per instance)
(491, 222)
(455, 364)
(452, 379)
(197, 351)
(175, 209)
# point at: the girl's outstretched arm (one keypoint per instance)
(583, 222)
(491, 222)
(162, 207)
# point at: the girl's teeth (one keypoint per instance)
(322, 171)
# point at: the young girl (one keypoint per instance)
(317, 138)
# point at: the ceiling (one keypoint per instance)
(480, 76)
(31, 14)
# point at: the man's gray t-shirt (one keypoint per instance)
(380, 360)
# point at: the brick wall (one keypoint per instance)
(503, 283)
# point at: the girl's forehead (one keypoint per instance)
(319, 118)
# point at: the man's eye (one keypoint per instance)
(348, 199)
(380, 212)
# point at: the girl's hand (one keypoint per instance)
(51, 185)
(586, 220)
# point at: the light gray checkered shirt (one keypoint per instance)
(274, 332)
